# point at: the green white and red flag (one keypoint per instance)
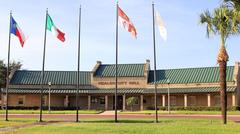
(55, 31)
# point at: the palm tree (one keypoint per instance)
(222, 22)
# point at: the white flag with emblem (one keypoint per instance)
(162, 29)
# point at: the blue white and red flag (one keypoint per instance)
(16, 30)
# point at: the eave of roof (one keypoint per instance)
(122, 91)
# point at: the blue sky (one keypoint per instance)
(187, 45)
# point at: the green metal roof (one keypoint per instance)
(190, 75)
(23, 77)
(124, 70)
(176, 76)
(122, 91)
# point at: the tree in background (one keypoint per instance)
(223, 21)
(131, 101)
(2, 74)
(3, 71)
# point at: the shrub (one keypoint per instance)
(131, 101)
(37, 108)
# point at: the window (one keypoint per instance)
(144, 101)
(173, 100)
(102, 100)
(137, 101)
(21, 100)
(94, 99)
(217, 100)
(44, 100)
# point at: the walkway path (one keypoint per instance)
(112, 112)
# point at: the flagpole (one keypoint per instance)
(154, 50)
(43, 65)
(116, 66)
(7, 75)
(78, 69)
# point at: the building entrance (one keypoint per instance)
(119, 102)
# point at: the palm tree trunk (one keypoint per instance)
(223, 94)
(222, 60)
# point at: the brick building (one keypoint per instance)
(188, 87)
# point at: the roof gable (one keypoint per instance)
(124, 70)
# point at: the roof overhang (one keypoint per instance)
(120, 91)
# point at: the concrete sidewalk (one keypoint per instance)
(112, 112)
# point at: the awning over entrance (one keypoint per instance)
(120, 91)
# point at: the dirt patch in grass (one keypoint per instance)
(24, 125)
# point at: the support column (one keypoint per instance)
(185, 100)
(106, 102)
(141, 104)
(233, 100)
(209, 100)
(163, 100)
(124, 102)
(66, 101)
(89, 102)
(2, 101)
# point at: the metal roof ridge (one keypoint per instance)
(123, 64)
(190, 87)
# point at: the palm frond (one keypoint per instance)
(232, 3)
(223, 21)
(206, 18)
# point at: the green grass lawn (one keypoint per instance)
(140, 126)
(52, 112)
(180, 112)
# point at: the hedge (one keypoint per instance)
(37, 108)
